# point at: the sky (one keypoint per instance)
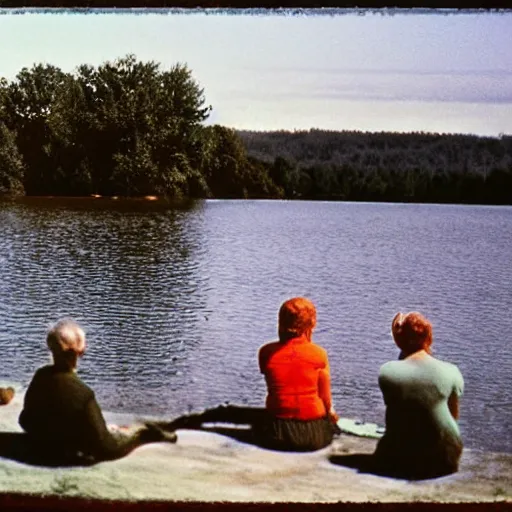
(369, 71)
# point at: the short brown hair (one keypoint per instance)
(297, 316)
(412, 332)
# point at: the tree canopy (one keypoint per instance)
(131, 128)
(407, 167)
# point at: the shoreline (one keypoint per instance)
(176, 201)
(210, 467)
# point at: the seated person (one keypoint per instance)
(421, 394)
(60, 412)
(299, 415)
(298, 382)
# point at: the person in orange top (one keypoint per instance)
(298, 381)
(299, 415)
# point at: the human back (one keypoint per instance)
(55, 405)
(298, 413)
(56, 400)
(292, 374)
(60, 413)
(297, 374)
(421, 394)
(418, 390)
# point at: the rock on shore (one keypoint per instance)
(205, 466)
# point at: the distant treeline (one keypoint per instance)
(129, 128)
(415, 167)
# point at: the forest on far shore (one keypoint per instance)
(129, 128)
(386, 166)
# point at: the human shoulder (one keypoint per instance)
(43, 374)
(268, 348)
(44, 370)
(453, 368)
(451, 372)
(83, 385)
(390, 368)
(266, 351)
(321, 351)
(445, 367)
(75, 386)
(269, 345)
(390, 371)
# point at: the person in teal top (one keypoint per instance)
(421, 394)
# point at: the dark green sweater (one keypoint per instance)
(61, 412)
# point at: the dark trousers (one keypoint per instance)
(268, 431)
(419, 460)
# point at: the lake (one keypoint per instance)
(176, 300)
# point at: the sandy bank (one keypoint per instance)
(205, 466)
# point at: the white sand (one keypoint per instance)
(209, 467)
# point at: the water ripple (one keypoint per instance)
(177, 301)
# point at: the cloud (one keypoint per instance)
(492, 86)
(390, 71)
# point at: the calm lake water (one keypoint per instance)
(176, 301)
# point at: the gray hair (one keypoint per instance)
(66, 337)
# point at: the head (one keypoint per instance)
(412, 332)
(297, 317)
(66, 341)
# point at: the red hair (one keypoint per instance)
(297, 316)
(412, 332)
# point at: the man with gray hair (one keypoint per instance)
(61, 413)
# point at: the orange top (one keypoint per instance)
(298, 380)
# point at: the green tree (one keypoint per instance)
(224, 162)
(282, 173)
(259, 183)
(142, 126)
(28, 106)
(11, 164)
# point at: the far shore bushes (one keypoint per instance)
(129, 128)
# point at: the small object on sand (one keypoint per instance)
(6, 395)
(361, 428)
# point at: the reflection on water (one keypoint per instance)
(176, 299)
(129, 274)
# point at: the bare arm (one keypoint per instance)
(458, 389)
(453, 405)
(324, 391)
